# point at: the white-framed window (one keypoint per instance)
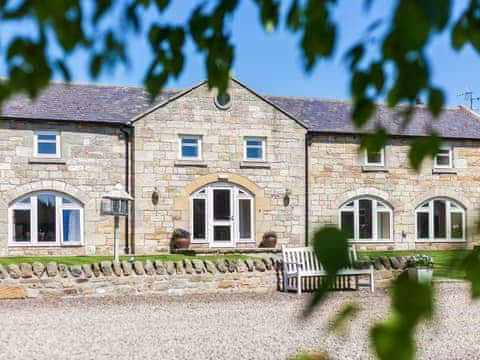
(440, 219)
(190, 147)
(367, 219)
(254, 149)
(222, 214)
(374, 158)
(444, 158)
(46, 144)
(45, 218)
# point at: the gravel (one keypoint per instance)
(241, 326)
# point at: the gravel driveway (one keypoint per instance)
(243, 326)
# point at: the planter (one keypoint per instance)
(422, 275)
(181, 243)
(269, 241)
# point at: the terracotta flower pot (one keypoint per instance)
(269, 241)
(181, 243)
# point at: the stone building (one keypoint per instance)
(227, 169)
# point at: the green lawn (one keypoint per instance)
(445, 261)
(72, 260)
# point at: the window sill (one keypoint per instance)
(250, 164)
(444, 171)
(40, 160)
(192, 163)
(27, 244)
(374, 168)
(367, 241)
(440, 241)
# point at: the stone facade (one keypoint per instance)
(92, 162)
(336, 176)
(157, 165)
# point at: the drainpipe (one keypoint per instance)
(308, 140)
(126, 132)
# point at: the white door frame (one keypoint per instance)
(213, 222)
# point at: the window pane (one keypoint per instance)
(374, 157)
(47, 137)
(365, 219)
(199, 213)
(422, 225)
(443, 160)
(221, 204)
(189, 141)
(46, 218)
(71, 225)
(47, 148)
(21, 225)
(254, 142)
(439, 219)
(189, 151)
(221, 233)
(347, 223)
(245, 222)
(457, 225)
(383, 225)
(254, 153)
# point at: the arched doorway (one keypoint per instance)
(222, 215)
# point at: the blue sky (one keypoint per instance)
(271, 63)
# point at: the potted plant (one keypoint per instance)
(269, 240)
(181, 239)
(420, 267)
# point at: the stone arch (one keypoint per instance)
(443, 193)
(368, 192)
(262, 204)
(46, 185)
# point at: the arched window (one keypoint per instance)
(367, 219)
(222, 215)
(440, 219)
(46, 218)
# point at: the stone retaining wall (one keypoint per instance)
(147, 278)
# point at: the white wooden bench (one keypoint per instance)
(301, 262)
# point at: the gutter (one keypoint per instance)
(127, 132)
(308, 141)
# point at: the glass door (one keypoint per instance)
(222, 217)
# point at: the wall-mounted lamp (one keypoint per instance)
(404, 234)
(286, 198)
(155, 197)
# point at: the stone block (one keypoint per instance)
(76, 270)
(149, 269)
(87, 270)
(63, 270)
(127, 268)
(249, 263)
(210, 266)
(26, 269)
(106, 267)
(179, 268)
(117, 268)
(159, 267)
(221, 266)
(224, 284)
(138, 267)
(14, 271)
(241, 266)
(38, 269)
(10, 291)
(52, 269)
(198, 265)
(96, 269)
(259, 265)
(188, 266)
(170, 267)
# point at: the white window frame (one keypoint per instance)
(450, 158)
(262, 146)
(33, 208)
(238, 193)
(36, 143)
(459, 209)
(382, 158)
(199, 147)
(356, 223)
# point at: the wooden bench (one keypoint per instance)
(301, 262)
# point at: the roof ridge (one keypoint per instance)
(74, 83)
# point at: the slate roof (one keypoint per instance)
(334, 116)
(120, 104)
(83, 102)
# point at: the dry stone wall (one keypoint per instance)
(19, 281)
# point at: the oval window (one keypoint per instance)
(223, 101)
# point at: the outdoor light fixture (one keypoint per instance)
(155, 197)
(286, 198)
(115, 203)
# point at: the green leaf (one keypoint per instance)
(345, 314)
(392, 340)
(422, 147)
(374, 142)
(436, 99)
(471, 265)
(363, 110)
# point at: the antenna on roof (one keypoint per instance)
(469, 98)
